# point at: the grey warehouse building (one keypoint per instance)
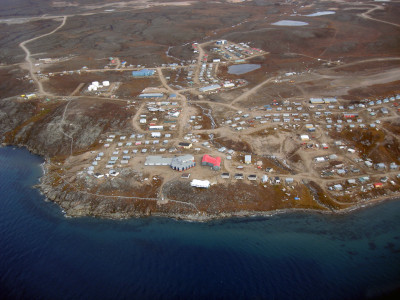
(179, 163)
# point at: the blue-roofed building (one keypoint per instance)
(143, 73)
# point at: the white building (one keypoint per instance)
(200, 183)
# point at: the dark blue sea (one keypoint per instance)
(44, 255)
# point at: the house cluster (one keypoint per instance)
(364, 184)
(161, 115)
(326, 111)
(232, 51)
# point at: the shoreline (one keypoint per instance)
(199, 217)
(238, 215)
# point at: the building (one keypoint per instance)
(155, 160)
(179, 163)
(289, 180)
(317, 101)
(221, 42)
(368, 163)
(247, 159)
(380, 166)
(229, 84)
(338, 187)
(185, 145)
(238, 176)
(264, 179)
(252, 177)
(151, 95)
(330, 100)
(182, 163)
(156, 134)
(350, 115)
(156, 127)
(225, 175)
(304, 137)
(200, 183)
(209, 88)
(143, 73)
(213, 162)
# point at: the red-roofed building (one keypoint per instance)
(214, 162)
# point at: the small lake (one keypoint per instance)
(243, 68)
(289, 23)
(321, 13)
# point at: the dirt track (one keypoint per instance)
(28, 58)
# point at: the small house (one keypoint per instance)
(368, 163)
(289, 180)
(264, 179)
(351, 181)
(185, 145)
(304, 137)
(252, 177)
(225, 175)
(238, 176)
(380, 166)
(247, 159)
(338, 187)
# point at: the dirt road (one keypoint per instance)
(28, 58)
(252, 90)
(366, 15)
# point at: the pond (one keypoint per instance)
(289, 23)
(243, 68)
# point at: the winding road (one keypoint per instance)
(28, 58)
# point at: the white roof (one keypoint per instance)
(200, 183)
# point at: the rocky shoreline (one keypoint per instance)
(78, 204)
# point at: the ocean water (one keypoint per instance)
(44, 255)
